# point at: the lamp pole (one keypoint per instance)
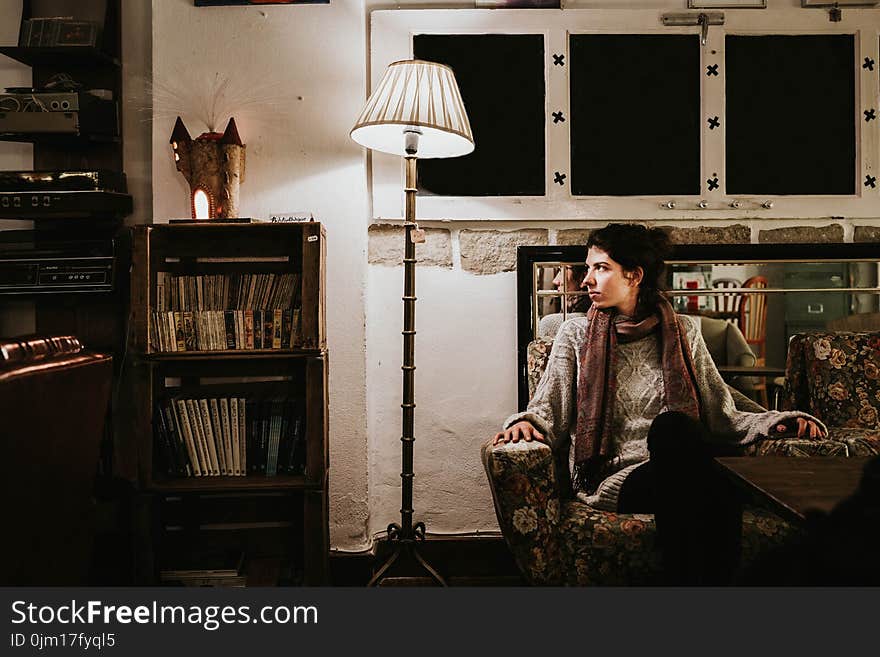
(405, 535)
(419, 101)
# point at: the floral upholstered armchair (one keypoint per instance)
(836, 377)
(558, 540)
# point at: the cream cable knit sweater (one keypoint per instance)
(553, 408)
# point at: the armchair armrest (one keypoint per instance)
(526, 494)
(53, 408)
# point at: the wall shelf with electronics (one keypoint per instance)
(63, 205)
(72, 269)
(50, 56)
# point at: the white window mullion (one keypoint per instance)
(712, 94)
(558, 140)
(868, 90)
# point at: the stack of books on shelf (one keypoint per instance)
(215, 312)
(231, 436)
(216, 568)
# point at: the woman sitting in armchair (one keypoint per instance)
(634, 392)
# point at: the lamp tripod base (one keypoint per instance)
(406, 547)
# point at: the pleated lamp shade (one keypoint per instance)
(416, 94)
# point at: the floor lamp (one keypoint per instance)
(415, 112)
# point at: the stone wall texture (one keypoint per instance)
(386, 242)
(866, 234)
(494, 251)
(802, 234)
(572, 236)
(736, 234)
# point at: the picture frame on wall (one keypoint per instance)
(248, 3)
(727, 4)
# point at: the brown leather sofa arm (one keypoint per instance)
(53, 409)
(31, 349)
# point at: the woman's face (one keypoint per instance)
(573, 280)
(607, 284)
(570, 277)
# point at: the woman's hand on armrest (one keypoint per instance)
(804, 429)
(521, 430)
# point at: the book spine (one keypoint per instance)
(234, 438)
(272, 451)
(227, 434)
(202, 330)
(285, 328)
(229, 317)
(218, 463)
(192, 447)
(295, 449)
(276, 329)
(181, 293)
(195, 423)
(258, 329)
(212, 330)
(267, 329)
(162, 440)
(217, 428)
(179, 331)
(170, 333)
(183, 460)
(284, 437)
(200, 293)
(253, 424)
(242, 433)
(265, 416)
(189, 333)
(296, 327)
(249, 329)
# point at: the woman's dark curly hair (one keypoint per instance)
(633, 246)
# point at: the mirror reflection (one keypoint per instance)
(747, 311)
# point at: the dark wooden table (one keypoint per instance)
(793, 485)
(757, 370)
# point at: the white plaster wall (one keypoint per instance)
(137, 108)
(465, 379)
(296, 83)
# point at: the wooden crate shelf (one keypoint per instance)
(255, 374)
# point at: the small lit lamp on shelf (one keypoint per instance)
(213, 165)
(415, 112)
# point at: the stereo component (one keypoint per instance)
(31, 263)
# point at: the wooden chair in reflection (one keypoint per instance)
(727, 304)
(753, 324)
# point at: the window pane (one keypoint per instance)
(501, 78)
(790, 113)
(635, 114)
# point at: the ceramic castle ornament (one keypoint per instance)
(213, 165)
